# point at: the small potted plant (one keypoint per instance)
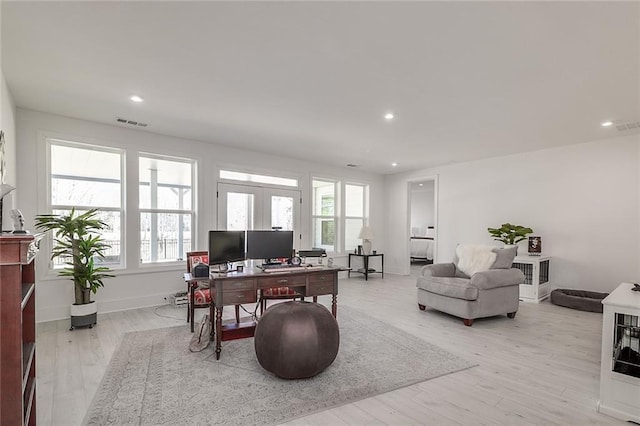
(510, 234)
(78, 243)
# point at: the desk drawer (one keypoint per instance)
(283, 281)
(323, 278)
(320, 288)
(237, 285)
(238, 297)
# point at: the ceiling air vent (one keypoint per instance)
(630, 125)
(352, 165)
(130, 122)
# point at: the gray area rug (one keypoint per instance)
(153, 379)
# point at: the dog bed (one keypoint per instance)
(582, 300)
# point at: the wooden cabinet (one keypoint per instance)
(17, 330)
(536, 286)
(620, 357)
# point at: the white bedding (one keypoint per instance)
(421, 248)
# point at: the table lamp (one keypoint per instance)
(366, 234)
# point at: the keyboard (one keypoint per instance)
(282, 268)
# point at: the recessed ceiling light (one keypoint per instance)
(136, 98)
(389, 116)
(394, 164)
(606, 123)
(421, 184)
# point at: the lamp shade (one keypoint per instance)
(366, 233)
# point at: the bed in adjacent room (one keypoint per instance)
(421, 246)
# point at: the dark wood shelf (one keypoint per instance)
(18, 331)
(27, 291)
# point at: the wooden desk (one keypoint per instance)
(237, 288)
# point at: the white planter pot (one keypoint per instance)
(84, 315)
(82, 310)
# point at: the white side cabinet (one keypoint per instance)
(620, 365)
(536, 286)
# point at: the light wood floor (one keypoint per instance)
(540, 368)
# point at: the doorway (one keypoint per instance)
(248, 207)
(422, 224)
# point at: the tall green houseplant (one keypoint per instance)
(78, 242)
(510, 234)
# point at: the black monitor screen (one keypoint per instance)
(225, 246)
(269, 244)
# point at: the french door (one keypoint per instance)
(253, 207)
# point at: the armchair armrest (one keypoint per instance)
(439, 270)
(495, 278)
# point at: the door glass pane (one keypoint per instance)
(164, 236)
(354, 200)
(240, 208)
(351, 230)
(324, 233)
(282, 212)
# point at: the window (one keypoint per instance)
(334, 229)
(85, 177)
(166, 208)
(324, 215)
(255, 178)
(354, 214)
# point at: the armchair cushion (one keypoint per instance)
(457, 288)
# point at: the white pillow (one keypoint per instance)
(474, 258)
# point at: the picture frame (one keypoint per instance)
(535, 246)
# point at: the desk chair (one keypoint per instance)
(199, 296)
(275, 293)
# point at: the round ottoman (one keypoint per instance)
(296, 340)
(582, 300)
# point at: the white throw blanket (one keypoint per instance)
(474, 258)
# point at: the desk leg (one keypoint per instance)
(366, 268)
(349, 266)
(218, 332)
(382, 264)
(334, 305)
(192, 308)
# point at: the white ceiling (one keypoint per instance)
(312, 80)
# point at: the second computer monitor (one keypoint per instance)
(269, 244)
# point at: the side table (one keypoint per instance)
(536, 286)
(366, 271)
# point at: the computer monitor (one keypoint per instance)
(269, 244)
(226, 246)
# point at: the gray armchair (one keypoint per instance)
(444, 287)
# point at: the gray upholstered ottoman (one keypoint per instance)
(296, 340)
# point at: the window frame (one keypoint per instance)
(192, 211)
(339, 217)
(50, 141)
(365, 209)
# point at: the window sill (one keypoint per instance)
(154, 268)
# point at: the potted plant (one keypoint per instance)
(78, 243)
(510, 234)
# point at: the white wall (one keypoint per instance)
(143, 286)
(8, 126)
(583, 200)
